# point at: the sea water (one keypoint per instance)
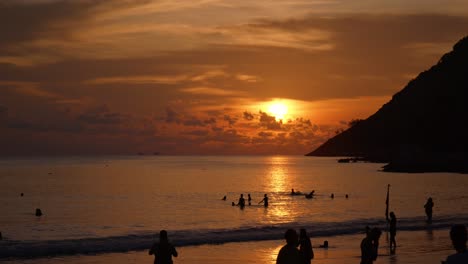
(118, 204)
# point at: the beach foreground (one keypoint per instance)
(430, 246)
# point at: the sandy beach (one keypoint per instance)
(414, 247)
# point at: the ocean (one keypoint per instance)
(117, 204)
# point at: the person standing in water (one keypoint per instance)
(241, 201)
(458, 235)
(305, 246)
(392, 230)
(265, 200)
(249, 199)
(370, 246)
(289, 254)
(163, 251)
(428, 208)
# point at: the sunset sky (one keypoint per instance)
(207, 76)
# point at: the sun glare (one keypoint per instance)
(278, 110)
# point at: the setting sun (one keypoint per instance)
(278, 110)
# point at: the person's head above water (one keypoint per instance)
(458, 235)
(291, 237)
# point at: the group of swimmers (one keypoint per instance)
(311, 194)
(241, 202)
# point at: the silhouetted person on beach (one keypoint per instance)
(249, 199)
(264, 200)
(428, 208)
(392, 230)
(289, 254)
(347, 196)
(458, 236)
(370, 246)
(305, 246)
(332, 196)
(163, 251)
(224, 198)
(241, 201)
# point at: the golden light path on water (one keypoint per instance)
(278, 182)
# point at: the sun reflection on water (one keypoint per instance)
(278, 175)
(278, 184)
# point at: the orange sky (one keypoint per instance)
(200, 76)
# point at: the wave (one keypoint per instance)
(12, 249)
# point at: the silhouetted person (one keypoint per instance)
(428, 208)
(325, 244)
(22, 194)
(370, 246)
(38, 212)
(367, 230)
(163, 251)
(289, 254)
(332, 196)
(310, 195)
(295, 193)
(305, 246)
(458, 236)
(249, 199)
(346, 196)
(392, 230)
(241, 201)
(224, 198)
(264, 200)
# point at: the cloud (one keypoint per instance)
(101, 116)
(308, 39)
(209, 75)
(231, 120)
(198, 133)
(193, 121)
(248, 116)
(210, 91)
(138, 80)
(172, 116)
(269, 121)
(248, 78)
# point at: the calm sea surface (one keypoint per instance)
(118, 203)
